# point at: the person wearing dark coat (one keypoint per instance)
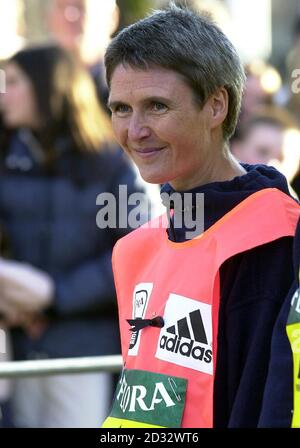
(57, 156)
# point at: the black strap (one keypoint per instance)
(138, 323)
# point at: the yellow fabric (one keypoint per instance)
(293, 332)
(112, 422)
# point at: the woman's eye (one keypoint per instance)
(159, 107)
(121, 109)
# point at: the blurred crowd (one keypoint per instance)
(57, 153)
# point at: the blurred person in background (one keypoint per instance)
(292, 96)
(56, 157)
(262, 83)
(66, 20)
(71, 24)
(260, 139)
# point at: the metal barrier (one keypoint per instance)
(18, 369)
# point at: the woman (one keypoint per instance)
(56, 157)
(204, 306)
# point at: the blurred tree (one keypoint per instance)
(133, 10)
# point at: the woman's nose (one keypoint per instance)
(138, 128)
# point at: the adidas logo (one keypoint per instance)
(187, 337)
(195, 332)
(196, 327)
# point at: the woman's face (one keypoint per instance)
(158, 124)
(18, 105)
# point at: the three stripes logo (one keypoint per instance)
(187, 340)
(198, 332)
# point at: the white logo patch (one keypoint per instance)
(186, 338)
(140, 301)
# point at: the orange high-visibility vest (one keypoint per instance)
(169, 371)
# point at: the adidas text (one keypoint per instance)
(188, 349)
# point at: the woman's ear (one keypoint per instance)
(219, 107)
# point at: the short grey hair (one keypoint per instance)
(190, 44)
